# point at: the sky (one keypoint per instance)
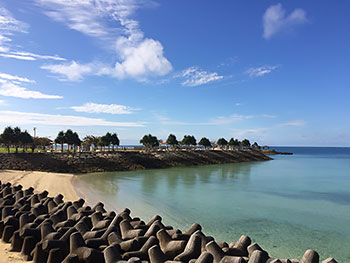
(275, 72)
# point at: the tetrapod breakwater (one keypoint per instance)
(48, 229)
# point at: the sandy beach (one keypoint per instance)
(54, 183)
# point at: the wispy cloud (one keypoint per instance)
(194, 76)
(295, 123)
(11, 86)
(260, 71)
(8, 26)
(138, 57)
(275, 20)
(9, 77)
(9, 89)
(223, 120)
(72, 71)
(248, 133)
(103, 108)
(22, 55)
(22, 118)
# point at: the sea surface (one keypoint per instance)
(287, 205)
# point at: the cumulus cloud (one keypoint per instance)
(22, 118)
(103, 108)
(194, 76)
(275, 20)
(141, 59)
(9, 89)
(260, 71)
(70, 71)
(137, 57)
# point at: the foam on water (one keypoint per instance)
(287, 205)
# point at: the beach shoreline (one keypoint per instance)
(54, 183)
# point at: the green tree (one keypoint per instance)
(234, 143)
(90, 140)
(222, 142)
(69, 138)
(149, 141)
(189, 140)
(172, 141)
(8, 137)
(75, 141)
(114, 140)
(106, 140)
(25, 139)
(246, 143)
(205, 142)
(17, 137)
(60, 139)
(256, 145)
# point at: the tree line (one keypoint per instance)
(15, 137)
(151, 141)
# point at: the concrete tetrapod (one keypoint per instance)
(219, 256)
(171, 248)
(310, 256)
(128, 231)
(329, 260)
(112, 253)
(205, 257)
(239, 248)
(258, 256)
(85, 254)
(192, 249)
(143, 252)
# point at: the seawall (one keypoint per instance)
(123, 160)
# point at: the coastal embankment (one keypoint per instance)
(87, 162)
(51, 229)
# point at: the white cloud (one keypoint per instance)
(9, 77)
(2, 103)
(70, 71)
(9, 24)
(142, 59)
(103, 108)
(295, 123)
(22, 118)
(9, 89)
(275, 20)
(138, 57)
(222, 120)
(258, 133)
(260, 71)
(195, 77)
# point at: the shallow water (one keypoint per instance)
(287, 205)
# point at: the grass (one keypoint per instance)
(13, 150)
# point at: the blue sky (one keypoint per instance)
(275, 72)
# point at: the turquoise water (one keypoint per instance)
(287, 205)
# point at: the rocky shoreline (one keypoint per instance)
(87, 162)
(48, 229)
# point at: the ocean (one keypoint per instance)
(286, 205)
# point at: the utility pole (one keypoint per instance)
(34, 129)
